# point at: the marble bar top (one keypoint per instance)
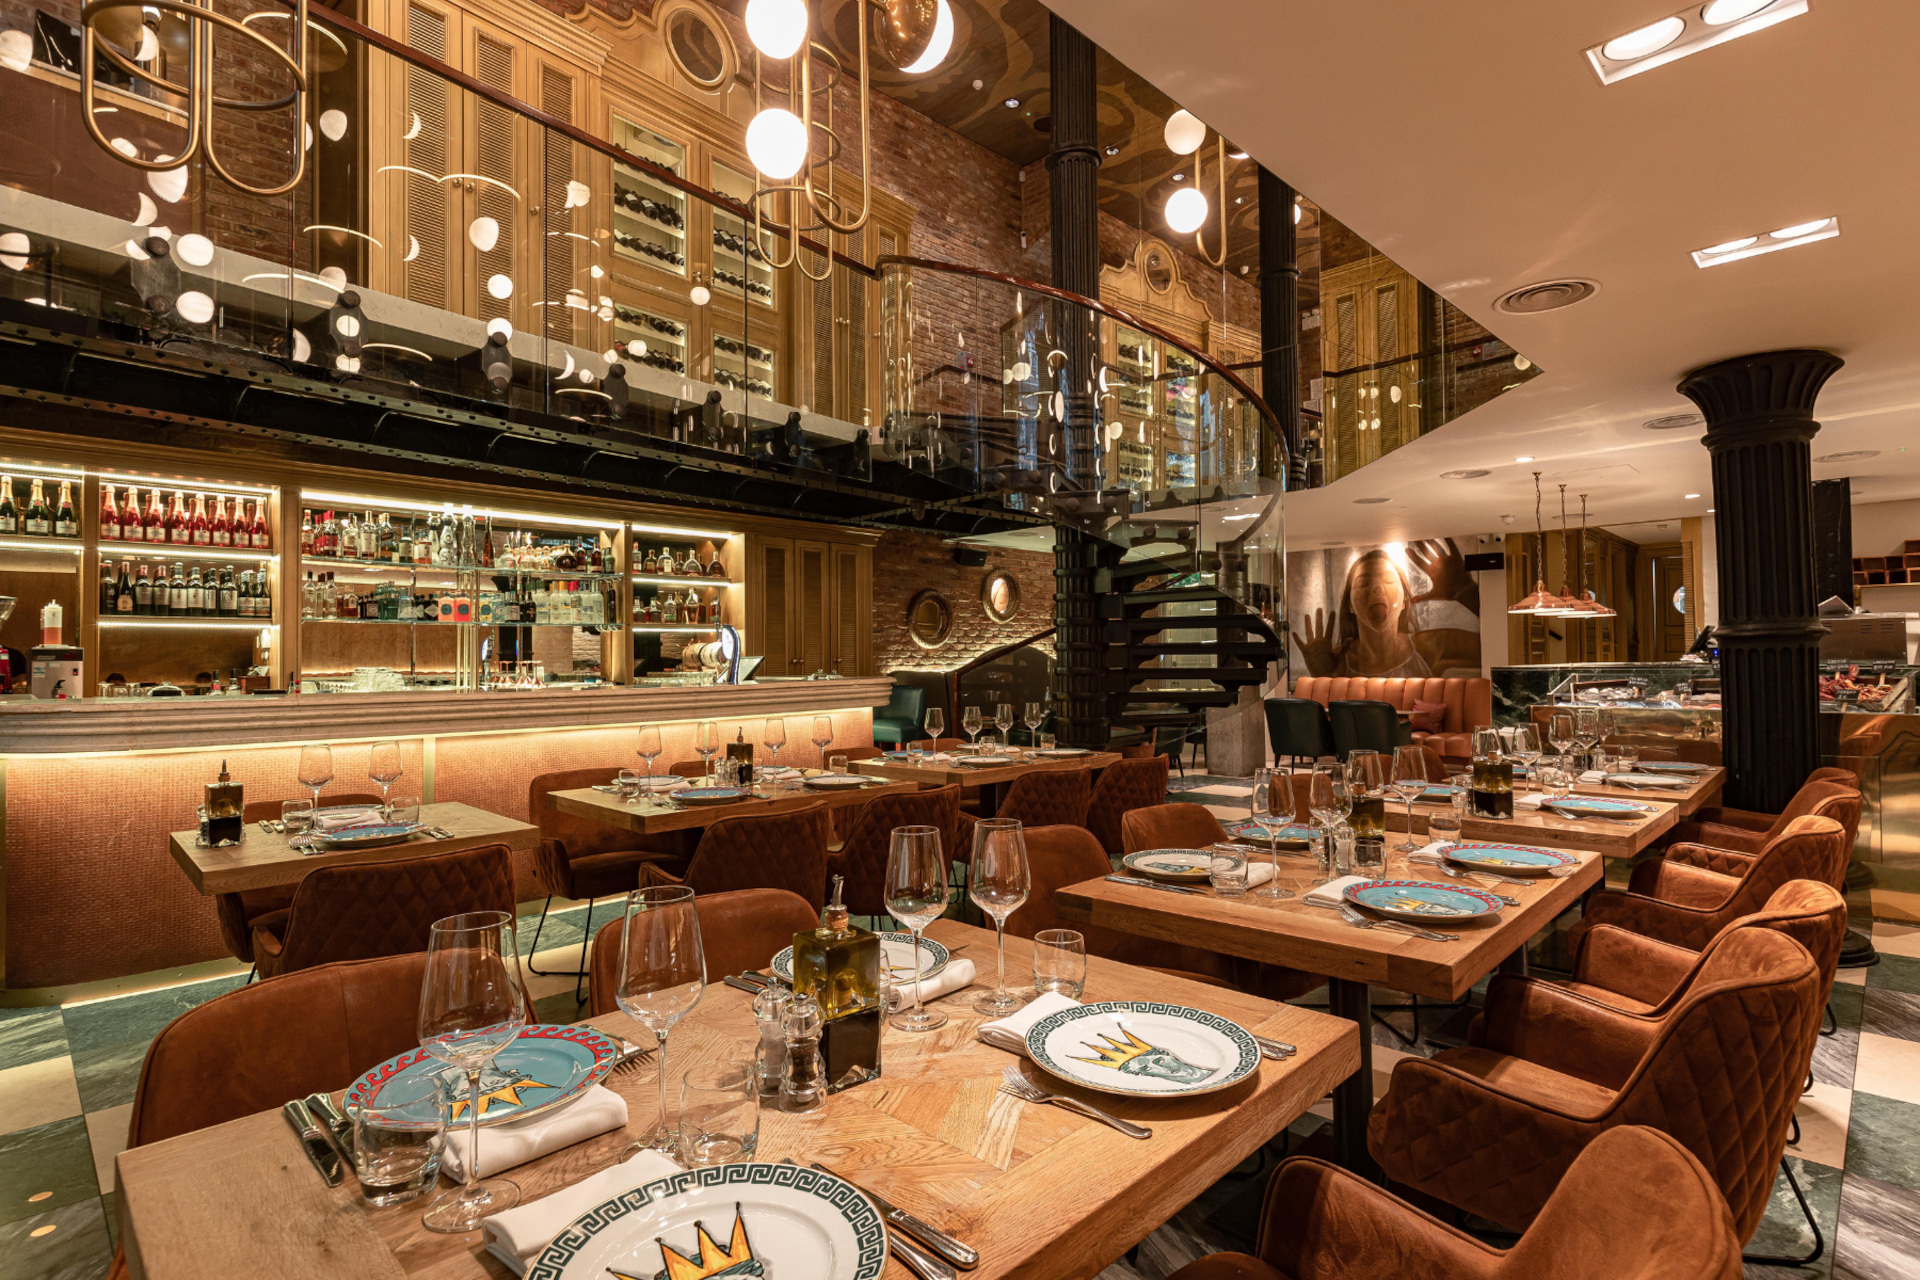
(119, 725)
(1517, 689)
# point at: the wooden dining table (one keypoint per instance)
(992, 780)
(1615, 838)
(1042, 1193)
(1313, 939)
(265, 859)
(1702, 789)
(652, 815)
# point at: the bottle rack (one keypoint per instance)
(742, 365)
(740, 266)
(662, 341)
(23, 476)
(649, 217)
(652, 589)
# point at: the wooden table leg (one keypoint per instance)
(1353, 1097)
(1517, 962)
(990, 799)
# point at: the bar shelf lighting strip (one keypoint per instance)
(685, 582)
(42, 544)
(174, 551)
(676, 531)
(352, 501)
(182, 624)
(30, 470)
(186, 484)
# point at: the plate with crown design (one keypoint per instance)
(545, 1067)
(1143, 1049)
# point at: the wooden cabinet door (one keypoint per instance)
(851, 604)
(495, 181)
(770, 593)
(811, 636)
(414, 211)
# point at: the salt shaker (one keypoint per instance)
(804, 1087)
(770, 1012)
(1342, 839)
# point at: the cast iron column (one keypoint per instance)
(1080, 648)
(1759, 412)
(1279, 308)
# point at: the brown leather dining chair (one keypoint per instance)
(739, 930)
(1043, 798)
(786, 849)
(237, 911)
(1745, 831)
(1321, 1222)
(1124, 786)
(360, 910)
(862, 858)
(1694, 892)
(1493, 1127)
(1170, 826)
(578, 858)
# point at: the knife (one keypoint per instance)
(940, 1242)
(1150, 884)
(333, 1125)
(739, 985)
(319, 1150)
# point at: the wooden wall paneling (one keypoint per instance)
(769, 596)
(812, 609)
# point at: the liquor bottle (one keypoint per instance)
(650, 564)
(177, 592)
(179, 528)
(109, 591)
(199, 528)
(246, 605)
(596, 558)
(109, 515)
(486, 546)
(123, 598)
(196, 594)
(443, 552)
(690, 611)
(39, 521)
(307, 544)
(9, 514)
(222, 524)
(670, 611)
(309, 591)
(348, 538)
(837, 964)
(65, 523)
(130, 530)
(383, 541)
(257, 535)
(143, 593)
(229, 598)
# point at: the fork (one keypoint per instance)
(1461, 875)
(1359, 921)
(1015, 1085)
(630, 1056)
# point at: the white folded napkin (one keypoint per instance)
(1653, 779)
(1010, 1032)
(665, 782)
(1259, 864)
(942, 757)
(1433, 854)
(1334, 892)
(778, 771)
(1594, 775)
(505, 1146)
(517, 1236)
(956, 975)
(1529, 800)
(360, 816)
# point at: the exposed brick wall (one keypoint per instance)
(904, 564)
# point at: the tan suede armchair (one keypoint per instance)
(1493, 1127)
(1744, 831)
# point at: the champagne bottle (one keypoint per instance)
(130, 530)
(199, 528)
(9, 514)
(109, 515)
(260, 537)
(65, 523)
(39, 521)
(179, 528)
(222, 525)
(154, 523)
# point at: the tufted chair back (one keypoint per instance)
(862, 859)
(1810, 847)
(580, 837)
(360, 910)
(1169, 826)
(739, 930)
(784, 850)
(1834, 800)
(1124, 786)
(1050, 798)
(237, 911)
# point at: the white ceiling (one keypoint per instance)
(1472, 143)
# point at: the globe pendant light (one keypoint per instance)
(940, 45)
(777, 27)
(1186, 210)
(777, 143)
(1184, 132)
(1542, 602)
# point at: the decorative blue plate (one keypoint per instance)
(545, 1067)
(711, 795)
(1421, 900)
(1293, 833)
(1670, 766)
(1596, 807)
(1510, 859)
(896, 952)
(367, 837)
(1434, 793)
(1178, 865)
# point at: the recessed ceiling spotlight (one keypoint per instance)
(1674, 422)
(1851, 455)
(1525, 457)
(1752, 246)
(1692, 496)
(1695, 28)
(1012, 103)
(1236, 155)
(1367, 502)
(1112, 149)
(1470, 473)
(1179, 177)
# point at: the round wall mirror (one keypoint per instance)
(1679, 599)
(929, 619)
(1000, 596)
(699, 48)
(1158, 268)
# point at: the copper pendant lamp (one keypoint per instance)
(1542, 603)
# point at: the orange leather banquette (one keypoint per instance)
(1469, 703)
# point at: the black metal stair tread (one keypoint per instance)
(1197, 621)
(1224, 648)
(1142, 719)
(1220, 675)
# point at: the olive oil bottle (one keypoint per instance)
(838, 964)
(1491, 792)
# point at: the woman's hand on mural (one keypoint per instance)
(1315, 641)
(1446, 569)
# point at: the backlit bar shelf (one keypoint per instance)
(191, 624)
(183, 552)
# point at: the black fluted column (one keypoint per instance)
(1082, 717)
(1279, 308)
(1759, 412)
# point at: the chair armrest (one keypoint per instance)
(1631, 964)
(1720, 836)
(1744, 819)
(1557, 1029)
(1321, 1222)
(1725, 861)
(653, 874)
(1682, 884)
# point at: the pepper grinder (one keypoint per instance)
(804, 1087)
(770, 1012)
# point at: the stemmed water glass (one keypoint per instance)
(1409, 780)
(972, 723)
(383, 767)
(998, 883)
(648, 748)
(1266, 813)
(936, 723)
(1586, 728)
(1560, 734)
(471, 1007)
(1003, 720)
(316, 770)
(1524, 746)
(823, 736)
(1329, 801)
(1034, 715)
(706, 741)
(916, 895)
(773, 735)
(662, 973)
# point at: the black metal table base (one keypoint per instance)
(1353, 1097)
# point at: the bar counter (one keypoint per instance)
(92, 789)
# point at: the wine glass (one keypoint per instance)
(1524, 746)
(1445, 822)
(1003, 720)
(936, 723)
(706, 741)
(316, 770)
(972, 723)
(1560, 733)
(383, 767)
(823, 736)
(1329, 801)
(1586, 728)
(1033, 715)
(998, 882)
(1409, 780)
(1268, 810)
(471, 1007)
(662, 973)
(916, 895)
(773, 735)
(648, 748)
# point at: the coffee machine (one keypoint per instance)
(57, 667)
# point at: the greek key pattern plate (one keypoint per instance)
(1145, 1014)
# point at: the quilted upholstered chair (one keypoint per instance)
(1170, 826)
(578, 858)
(238, 911)
(1744, 831)
(1694, 892)
(862, 858)
(1124, 785)
(360, 910)
(1043, 798)
(739, 930)
(782, 850)
(1494, 1126)
(1321, 1222)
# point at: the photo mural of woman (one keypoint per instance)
(1399, 611)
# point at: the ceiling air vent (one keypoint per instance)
(1470, 474)
(1547, 295)
(1674, 422)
